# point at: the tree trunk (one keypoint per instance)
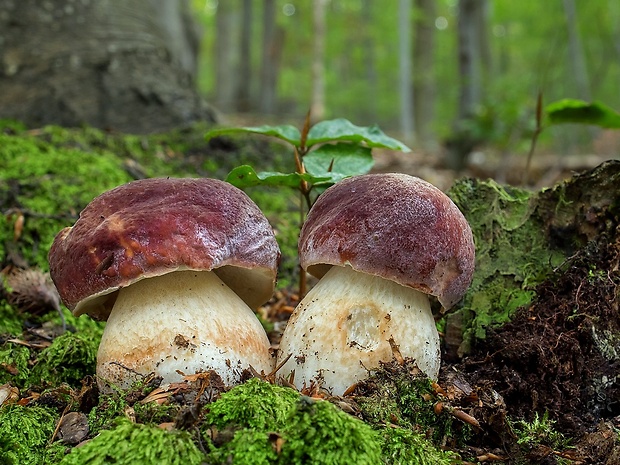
(575, 52)
(404, 60)
(225, 75)
(317, 106)
(120, 64)
(244, 86)
(424, 89)
(270, 58)
(463, 140)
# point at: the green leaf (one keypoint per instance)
(245, 176)
(578, 111)
(339, 161)
(285, 132)
(341, 129)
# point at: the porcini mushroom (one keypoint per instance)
(175, 266)
(380, 244)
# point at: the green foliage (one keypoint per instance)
(130, 443)
(329, 151)
(70, 358)
(25, 433)
(578, 111)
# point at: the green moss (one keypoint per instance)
(113, 406)
(10, 321)
(512, 252)
(259, 414)
(401, 446)
(247, 447)
(14, 364)
(25, 433)
(255, 404)
(130, 443)
(49, 186)
(318, 432)
(70, 358)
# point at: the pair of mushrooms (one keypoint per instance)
(176, 266)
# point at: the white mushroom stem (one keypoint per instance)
(180, 322)
(343, 326)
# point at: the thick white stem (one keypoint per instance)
(343, 326)
(185, 321)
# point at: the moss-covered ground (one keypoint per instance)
(531, 352)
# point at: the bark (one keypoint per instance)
(405, 66)
(424, 89)
(119, 64)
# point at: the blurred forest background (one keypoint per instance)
(457, 80)
(449, 74)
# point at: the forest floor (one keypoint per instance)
(541, 388)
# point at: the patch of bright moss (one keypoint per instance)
(512, 252)
(247, 447)
(49, 186)
(403, 446)
(10, 320)
(25, 433)
(129, 443)
(14, 366)
(318, 432)
(70, 358)
(255, 404)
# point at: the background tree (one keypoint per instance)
(424, 88)
(122, 64)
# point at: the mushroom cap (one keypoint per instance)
(156, 226)
(394, 226)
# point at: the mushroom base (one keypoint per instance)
(179, 323)
(343, 327)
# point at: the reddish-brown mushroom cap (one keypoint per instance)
(394, 226)
(152, 227)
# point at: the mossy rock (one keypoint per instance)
(521, 237)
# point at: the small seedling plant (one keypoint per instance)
(323, 154)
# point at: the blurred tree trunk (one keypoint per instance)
(317, 106)
(470, 57)
(404, 59)
(576, 55)
(123, 64)
(244, 85)
(370, 63)
(424, 89)
(225, 75)
(270, 58)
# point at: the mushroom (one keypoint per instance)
(175, 266)
(380, 244)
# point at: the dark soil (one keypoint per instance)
(559, 355)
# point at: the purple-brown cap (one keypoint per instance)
(394, 226)
(152, 227)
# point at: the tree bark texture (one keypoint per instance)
(126, 65)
